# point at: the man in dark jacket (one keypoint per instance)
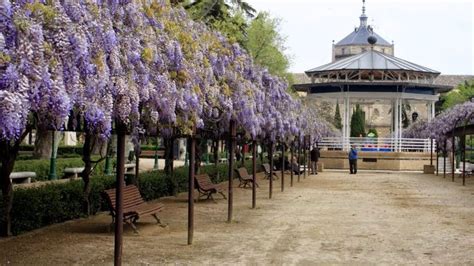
(314, 160)
(353, 160)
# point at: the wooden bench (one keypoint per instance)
(266, 170)
(244, 177)
(73, 172)
(133, 206)
(22, 177)
(205, 187)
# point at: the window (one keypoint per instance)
(343, 50)
(383, 50)
(363, 49)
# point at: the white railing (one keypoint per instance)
(378, 144)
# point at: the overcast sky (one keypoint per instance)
(434, 33)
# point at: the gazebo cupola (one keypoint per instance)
(356, 41)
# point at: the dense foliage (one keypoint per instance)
(462, 93)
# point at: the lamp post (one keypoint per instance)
(108, 165)
(52, 163)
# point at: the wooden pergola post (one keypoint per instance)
(254, 174)
(299, 158)
(230, 199)
(118, 245)
(463, 157)
(283, 166)
(291, 164)
(445, 153)
(453, 165)
(270, 152)
(192, 156)
(437, 160)
(431, 151)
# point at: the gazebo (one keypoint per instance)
(372, 74)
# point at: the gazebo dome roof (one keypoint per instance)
(372, 60)
(359, 37)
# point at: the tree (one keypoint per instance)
(462, 93)
(337, 117)
(227, 17)
(266, 45)
(357, 122)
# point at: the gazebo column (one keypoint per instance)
(346, 129)
(344, 116)
(397, 123)
(431, 110)
(394, 124)
(400, 129)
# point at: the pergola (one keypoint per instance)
(371, 76)
(461, 132)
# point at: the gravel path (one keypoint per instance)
(331, 218)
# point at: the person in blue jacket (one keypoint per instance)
(353, 159)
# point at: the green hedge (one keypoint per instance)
(151, 148)
(41, 166)
(62, 150)
(54, 203)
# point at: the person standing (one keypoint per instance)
(314, 160)
(353, 159)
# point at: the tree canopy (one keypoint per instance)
(462, 93)
(266, 45)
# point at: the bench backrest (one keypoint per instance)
(266, 168)
(242, 172)
(203, 181)
(131, 197)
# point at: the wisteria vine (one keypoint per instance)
(142, 63)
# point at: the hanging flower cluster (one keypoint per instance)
(141, 63)
(417, 130)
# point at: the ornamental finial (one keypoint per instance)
(363, 6)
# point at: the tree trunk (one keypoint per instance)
(43, 143)
(8, 154)
(86, 158)
(99, 146)
(8, 161)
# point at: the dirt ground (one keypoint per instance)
(331, 218)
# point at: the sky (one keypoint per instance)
(437, 34)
